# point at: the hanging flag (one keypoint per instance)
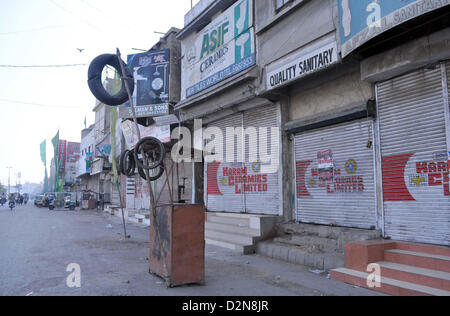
(44, 152)
(55, 142)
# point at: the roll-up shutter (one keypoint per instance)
(221, 195)
(262, 183)
(414, 151)
(335, 175)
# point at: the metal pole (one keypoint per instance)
(147, 172)
(9, 179)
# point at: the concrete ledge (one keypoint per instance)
(416, 54)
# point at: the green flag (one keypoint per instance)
(44, 152)
(55, 142)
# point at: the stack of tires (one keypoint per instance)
(154, 150)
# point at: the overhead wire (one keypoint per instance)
(39, 104)
(42, 66)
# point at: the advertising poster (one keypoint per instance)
(151, 77)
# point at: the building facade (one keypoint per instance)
(359, 94)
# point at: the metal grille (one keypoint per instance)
(347, 198)
(412, 125)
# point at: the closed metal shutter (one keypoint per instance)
(344, 195)
(413, 144)
(263, 192)
(220, 176)
(250, 187)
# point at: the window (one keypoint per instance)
(281, 3)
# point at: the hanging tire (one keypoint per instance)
(127, 165)
(157, 144)
(95, 80)
(154, 178)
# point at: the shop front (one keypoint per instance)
(414, 127)
(335, 175)
(243, 182)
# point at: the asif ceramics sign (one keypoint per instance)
(300, 64)
(222, 49)
(362, 20)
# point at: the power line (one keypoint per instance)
(37, 29)
(42, 66)
(39, 104)
(75, 15)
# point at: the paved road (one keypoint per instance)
(37, 245)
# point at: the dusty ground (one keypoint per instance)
(37, 245)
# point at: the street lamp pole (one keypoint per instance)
(9, 179)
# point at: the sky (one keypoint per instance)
(48, 32)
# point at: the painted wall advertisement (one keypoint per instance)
(228, 178)
(409, 177)
(151, 76)
(330, 177)
(89, 161)
(73, 152)
(222, 49)
(362, 20)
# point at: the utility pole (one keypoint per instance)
(9, 179)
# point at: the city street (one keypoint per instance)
(37, 245)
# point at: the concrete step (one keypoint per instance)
(344, 233)
(325, 244)
(418, 259)
(308, 256)
(230, 237)
(430, 249)
(244, 249)
(238, 221)
(431, 278)
(388, 285)
(227, 228)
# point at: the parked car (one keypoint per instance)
(62, 200)
(38, 200)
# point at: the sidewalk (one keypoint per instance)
(232, 274)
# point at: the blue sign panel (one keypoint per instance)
(362, 20)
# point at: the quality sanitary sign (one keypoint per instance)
(300, 64)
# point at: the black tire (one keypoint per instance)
(95, 80)
(123, 156)
(127, 164)
(159, 145)
(154, 178)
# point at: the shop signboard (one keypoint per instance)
(302, 63)
(362, 20)
(225, 47)
(151, 72)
